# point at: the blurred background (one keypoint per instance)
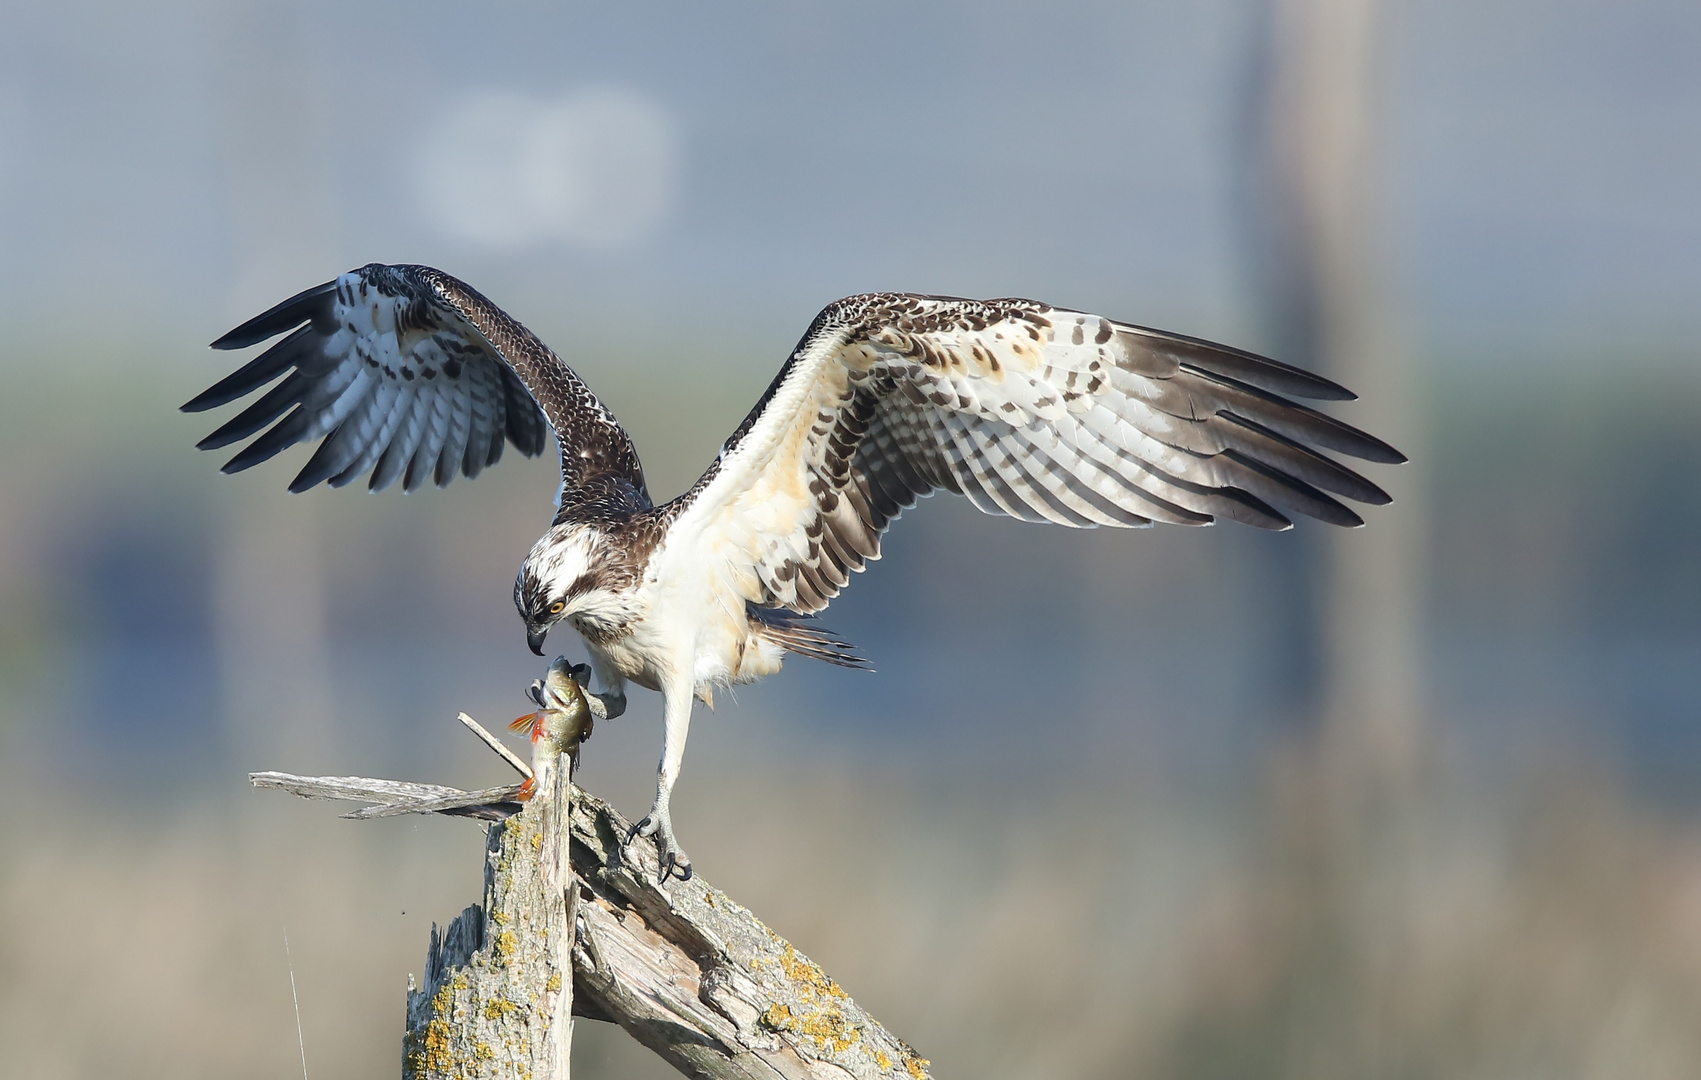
(1422, 800)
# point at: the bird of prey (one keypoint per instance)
(1039, 413)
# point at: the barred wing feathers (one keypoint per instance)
(1036, 413)
(408, 373)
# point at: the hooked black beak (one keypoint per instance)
(534, 638)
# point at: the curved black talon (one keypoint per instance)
(670, 861)
(674, 866)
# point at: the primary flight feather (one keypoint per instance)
(403, 373)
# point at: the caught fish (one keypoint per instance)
(564, 717)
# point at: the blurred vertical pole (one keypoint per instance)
(1350, 826)
(1315, 219)
(1285, 310)
(269, 587)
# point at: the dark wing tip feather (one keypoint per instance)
(273, 404)
(526, 423)
(332, 457)
(1319, 428)
(1248, 367)
(1368, 447)
(245, 460)
(1295, 458)
(1388, 455)
(279, 437)
(1292, 493)
(295, 349)
(213, 396)
(304, 305)
(1248, 509)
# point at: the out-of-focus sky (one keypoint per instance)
(666, 194)
(1541, 158)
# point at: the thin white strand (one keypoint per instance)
(300, 1039)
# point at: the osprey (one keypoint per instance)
(1031, 411)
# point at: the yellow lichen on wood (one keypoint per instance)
(807, 974)
(826, 1027)
(517, 980)
(486, 1016)
(434, 1054)
(439, 1041)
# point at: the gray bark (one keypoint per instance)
(689, 973)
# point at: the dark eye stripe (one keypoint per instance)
(582, 584)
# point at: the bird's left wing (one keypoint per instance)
(412, 374)
(1029, 411)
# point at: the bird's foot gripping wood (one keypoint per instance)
(671, 859)
(689, 973)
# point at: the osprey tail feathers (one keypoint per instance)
(799, 634)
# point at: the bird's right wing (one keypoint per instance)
(412, 374)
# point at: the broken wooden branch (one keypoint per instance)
(686, 971)
(495, 744)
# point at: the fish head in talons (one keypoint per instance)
(565, 713)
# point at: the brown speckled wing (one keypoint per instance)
(1028, 411)
(410, 374)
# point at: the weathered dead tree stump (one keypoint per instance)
(491, 1008)
(686, 971)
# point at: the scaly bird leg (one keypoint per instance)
(670, 860)
(670, 856)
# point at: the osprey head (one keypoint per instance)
(564, 577)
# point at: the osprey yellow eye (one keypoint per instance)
(557, 607)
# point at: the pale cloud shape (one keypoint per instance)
(598, 167)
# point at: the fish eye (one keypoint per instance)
(558, 607)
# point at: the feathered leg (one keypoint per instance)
(671, 857)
